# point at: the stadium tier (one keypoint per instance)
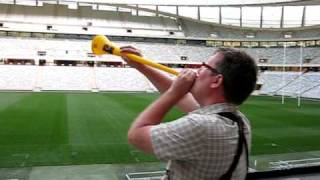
(83, 20)
(65, 78)
(290, 84)
(55, 49)
(61, 78)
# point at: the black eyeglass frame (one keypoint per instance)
(213, 70)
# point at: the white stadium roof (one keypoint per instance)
(243, 13)
(200, 2)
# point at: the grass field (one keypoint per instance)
(84, 128)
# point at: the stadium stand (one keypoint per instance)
(120, 79)
(316, 60)
(290, 83)
(59, 18)
(276, 55)
(79, 49)
(14, 77)
(65, 78)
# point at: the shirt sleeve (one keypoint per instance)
(178, 140)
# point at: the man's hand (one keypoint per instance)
(163, 82)
(130, 50)
(183, 83)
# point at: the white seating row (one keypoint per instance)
(65, 78)
(291, 83)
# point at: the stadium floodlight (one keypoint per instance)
(101, 45)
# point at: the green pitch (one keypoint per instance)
(85, 128)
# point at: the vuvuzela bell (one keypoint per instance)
(101, 45)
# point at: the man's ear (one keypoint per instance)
(217, 82)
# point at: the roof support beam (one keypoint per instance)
(303, 19)
(198, 8)
(220, 15)
(282, 14)
(240, 16)
(157, 10)
(261, 17)
(137, 10)
(177, 10)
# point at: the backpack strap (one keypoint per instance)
(241, 142)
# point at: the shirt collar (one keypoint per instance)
(216, 108)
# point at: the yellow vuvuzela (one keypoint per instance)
(101, 45)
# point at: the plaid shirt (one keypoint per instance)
(201, 145)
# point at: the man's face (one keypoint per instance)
(205, 76)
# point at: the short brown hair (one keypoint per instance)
(239, 72)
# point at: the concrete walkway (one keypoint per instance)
(78, 172)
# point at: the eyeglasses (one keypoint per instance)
(213, 70)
